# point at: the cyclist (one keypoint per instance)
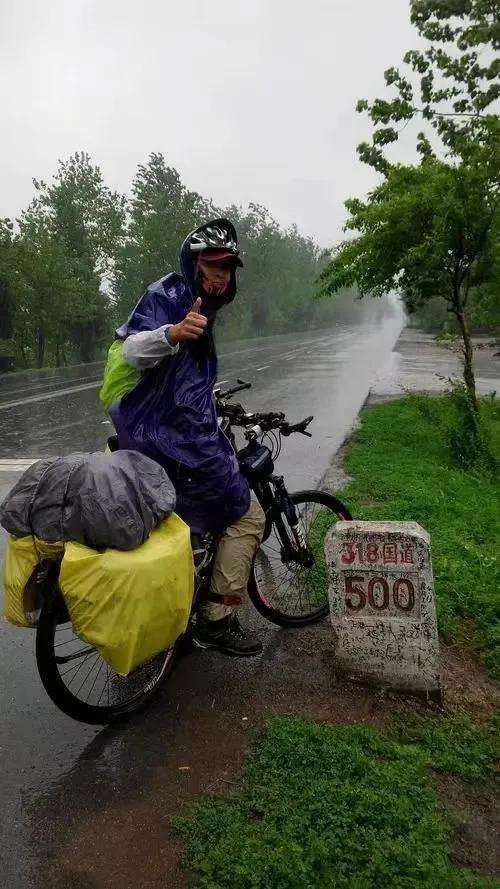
(170, 416)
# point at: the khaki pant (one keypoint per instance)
(233, 560)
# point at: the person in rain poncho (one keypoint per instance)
(170, 416)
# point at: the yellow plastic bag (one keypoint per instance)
(131, 605)
(20, 560)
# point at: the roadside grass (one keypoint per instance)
(352, 807)
(314, 580)
(452, 744)
(343, 807)
(401, 465)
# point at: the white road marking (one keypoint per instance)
(48, 383)
(260, 348)
(59, 394)
(264, 367)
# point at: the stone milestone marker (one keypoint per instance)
(383, 613)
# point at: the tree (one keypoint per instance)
(432, 230)
(161, 212)
(485, 292)
(276, 286)
(8, 275)
(458, 79)
(82, 255)
(424, 231)
(7, 278)
(277, 283)
(76, 223)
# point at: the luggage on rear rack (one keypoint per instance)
(99, 500)
(131, 605)
(23, 557)
(126, 564)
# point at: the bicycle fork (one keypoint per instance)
(300, 552)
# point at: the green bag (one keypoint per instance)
(119, 376)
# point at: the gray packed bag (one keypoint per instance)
(101, 500)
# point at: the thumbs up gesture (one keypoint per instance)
(191, 327)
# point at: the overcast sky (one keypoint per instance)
(251, 100)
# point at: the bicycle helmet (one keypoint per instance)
(218, 239)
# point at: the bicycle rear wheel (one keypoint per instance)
(285, 592)
(80, 682)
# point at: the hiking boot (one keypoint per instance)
(226, 635)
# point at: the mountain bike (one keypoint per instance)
(287, 584)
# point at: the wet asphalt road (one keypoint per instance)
(418, 363)
(86, 808)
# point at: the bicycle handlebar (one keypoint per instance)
(237, 415)
(298, 427)
(242, 384)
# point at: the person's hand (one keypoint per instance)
(192, 326)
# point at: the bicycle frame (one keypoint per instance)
(272, 495)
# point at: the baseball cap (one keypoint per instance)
(220, 256)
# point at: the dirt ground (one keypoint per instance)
(477, 818)
(120, 834)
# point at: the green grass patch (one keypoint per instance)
(401, 463)
(319, 806)
(315, 579)
(453, 743)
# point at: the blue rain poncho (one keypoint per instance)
(170, 413)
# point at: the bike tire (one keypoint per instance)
(269, 605)
(60, 694)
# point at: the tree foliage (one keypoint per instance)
(55, 264)
(427, 231)
(73, 228)
(277, 284)
(424, 230)
(451, 83)
(161, 212)
(81, 255)
(7, 272)
(432, 230)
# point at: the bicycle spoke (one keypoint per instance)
(105, 686)
(96, 660)
(98, 686)
(75, 668)
(95, 680)
(288, 587)
(76, 654)
(66, 642)
(266, 546)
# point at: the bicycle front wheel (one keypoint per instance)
(80, 682)
(282, 590)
